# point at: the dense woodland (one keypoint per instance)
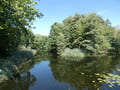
(89, 33)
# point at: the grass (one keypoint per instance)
(9, 65)
(72, 54)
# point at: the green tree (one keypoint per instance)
(89, 32)
(115, 42)
(16, 17)
(27, 40)
(94, 38)
(40, 43)
(57, 38)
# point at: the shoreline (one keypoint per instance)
(9, 68)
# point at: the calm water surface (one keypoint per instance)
(93, 73)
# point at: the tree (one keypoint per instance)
(89, 32)
(27, 40)
(94, 38)
(40, 43)
(57, 38)
(16, 17)
(115, 42)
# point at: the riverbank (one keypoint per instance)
(9, 66)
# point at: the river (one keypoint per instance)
(51, 73)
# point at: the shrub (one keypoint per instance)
(72, 54)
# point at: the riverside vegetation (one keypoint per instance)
(87, 32)
(76, 37)
(16, 17)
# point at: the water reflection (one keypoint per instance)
(22, 83)
(93, 73)
(87, 74)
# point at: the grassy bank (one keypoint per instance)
(72, 54)
(9, 65)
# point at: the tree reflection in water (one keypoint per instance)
(93, 73)
(88, 74)
(22, 83)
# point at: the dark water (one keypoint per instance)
(93, 73)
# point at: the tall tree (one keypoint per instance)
(57, 38)
(16, 17)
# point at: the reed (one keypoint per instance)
(72, 54)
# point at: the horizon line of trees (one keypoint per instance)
(88, 32)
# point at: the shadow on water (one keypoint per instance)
(88, 74)
(92, 73)
(9, 65)
(22, 83)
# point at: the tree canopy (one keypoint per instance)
(16, 18)
(88, 32)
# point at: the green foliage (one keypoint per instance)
(27, 40)
(90, 33)
(115, 42)
(9, 65)
(40, 43)
(16, 17)
(72, 54)
(57, 38)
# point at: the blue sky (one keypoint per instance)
(58, 10)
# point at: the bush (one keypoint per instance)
(72, 54)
